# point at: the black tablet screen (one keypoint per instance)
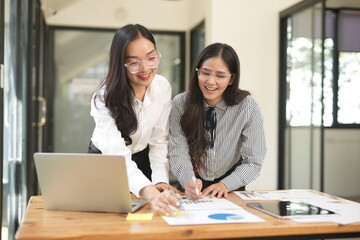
(289, 208)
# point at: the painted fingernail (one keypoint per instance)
(177, 203)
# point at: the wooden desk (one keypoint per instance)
(42, 224)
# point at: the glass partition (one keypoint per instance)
(349, 67)
(14, 194)
(304, 98)
(79, 66)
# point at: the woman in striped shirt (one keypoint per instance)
(217, 141)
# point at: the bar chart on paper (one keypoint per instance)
(208, 203)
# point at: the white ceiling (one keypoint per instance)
(116, 13)
(155, 14)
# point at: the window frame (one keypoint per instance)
(335, 72)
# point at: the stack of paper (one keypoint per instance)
(211, 211)
(285, 195)
(345, 213)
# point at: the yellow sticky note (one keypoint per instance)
(177, 213)
(139, 217)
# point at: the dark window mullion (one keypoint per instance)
(2, 36)
(336, 71)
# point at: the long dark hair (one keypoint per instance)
(193, 120)
(118, 95)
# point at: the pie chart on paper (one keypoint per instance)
(225, 216)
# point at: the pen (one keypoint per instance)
(196, 189)
(174, 195)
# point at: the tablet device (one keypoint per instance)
(290, 209)
(84, 182)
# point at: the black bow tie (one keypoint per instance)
(210, 124)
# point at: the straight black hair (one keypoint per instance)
(118, 93)
(193, 120)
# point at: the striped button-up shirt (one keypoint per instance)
(239, 134)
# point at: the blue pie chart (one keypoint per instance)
(226, 216)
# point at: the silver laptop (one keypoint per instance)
(84, 182)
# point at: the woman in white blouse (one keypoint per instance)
(131, 112)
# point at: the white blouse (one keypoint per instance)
(153, 130)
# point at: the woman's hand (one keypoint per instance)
(161, 186)
(190, 189)
(160, 201)
(216, 190)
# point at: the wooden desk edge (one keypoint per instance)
(141, 230)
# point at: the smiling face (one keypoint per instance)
(213, 91)
(139, 50)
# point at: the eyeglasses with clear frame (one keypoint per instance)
(219, 77)
(151, 62)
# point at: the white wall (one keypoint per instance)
(251, 27)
